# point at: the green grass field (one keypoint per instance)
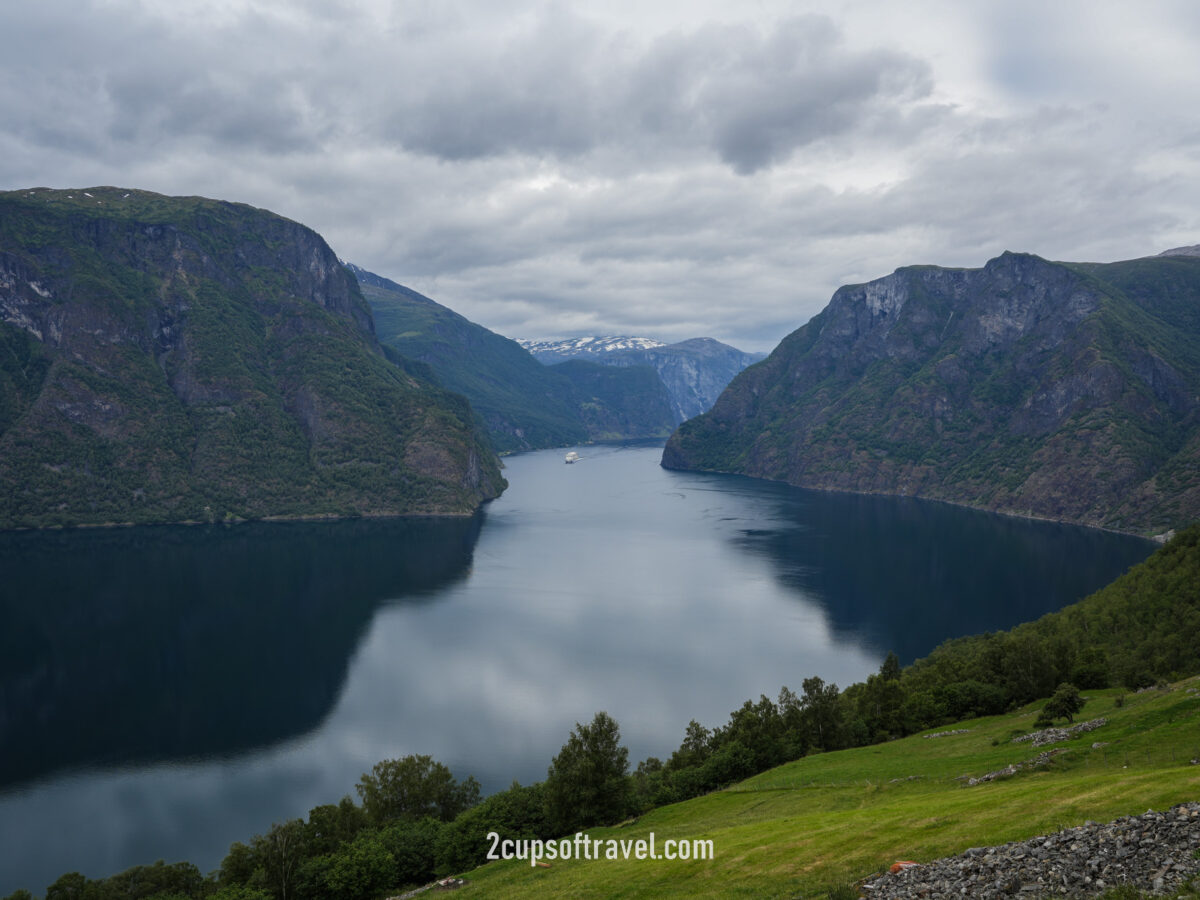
(808, 827)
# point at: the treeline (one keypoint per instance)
(416, 821)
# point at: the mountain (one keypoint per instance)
(167, 359)
(1062, 390)
(523, 404)
(694, 371)
(593, 348)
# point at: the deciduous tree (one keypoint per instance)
(414, 787)
(587, 783)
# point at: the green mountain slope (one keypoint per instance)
(524, 404)
(694, 371)
(182, 359)
(816, 826)
(1050, 389)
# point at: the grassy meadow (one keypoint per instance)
(811, 826)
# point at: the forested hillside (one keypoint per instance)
(170, 359)
(524, 404)
(1059, 390)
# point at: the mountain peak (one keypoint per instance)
(1193, 250)
(586, 346)
(1060, 390)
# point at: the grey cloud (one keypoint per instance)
(532, 95)
(796, 86)
(557, 87)
(542, 172)
(564, 89)
(104, 82)
(263, 113)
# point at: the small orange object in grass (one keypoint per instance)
(544, 865)
(901, 865)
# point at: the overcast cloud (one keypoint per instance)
(663, 169)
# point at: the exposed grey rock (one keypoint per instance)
(1156, 852)
(1054, 735)
(1040, 760)
(998, 387)
(694, 372)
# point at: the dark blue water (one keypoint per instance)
(167, 691)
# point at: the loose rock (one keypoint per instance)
(1054, 735)
(1040, 760)
(1156, 852)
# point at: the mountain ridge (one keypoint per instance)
(523, 404)
(694, 371)
(556, 351)
(1067, 391)
(175, 359)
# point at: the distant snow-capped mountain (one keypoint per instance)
(550, 352)
(694, 371)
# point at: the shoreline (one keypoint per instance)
(1159, 538)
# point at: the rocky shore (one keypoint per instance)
(1156, 852)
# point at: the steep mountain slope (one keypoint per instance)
(524, 404)
(694, 371)
(182, 359)
(1070, 391)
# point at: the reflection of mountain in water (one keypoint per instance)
(149, 644)
(905, 574)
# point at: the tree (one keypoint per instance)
(238, 866)
(239, 892)
(890, 668)
(758, 727)
(414, 787)
(71, 886)
(821, 712)
(330, 826)
(359, 870)
(1091, 668)
(1064, 704)
(280, 852)
(587, 783)
(697, 744)
(517, 813)
(181, 879)
(413, 846)
(791, 717)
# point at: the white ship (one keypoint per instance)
(572, 457)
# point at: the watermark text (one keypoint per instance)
(584, 847)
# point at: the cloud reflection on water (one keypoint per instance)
(611, 584)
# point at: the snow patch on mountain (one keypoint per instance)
(590, 345)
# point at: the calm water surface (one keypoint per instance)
(167, 691)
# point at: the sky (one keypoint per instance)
(641, 167)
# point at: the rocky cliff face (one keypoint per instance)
(177, 359)
(694, 372)
(1067, 391)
